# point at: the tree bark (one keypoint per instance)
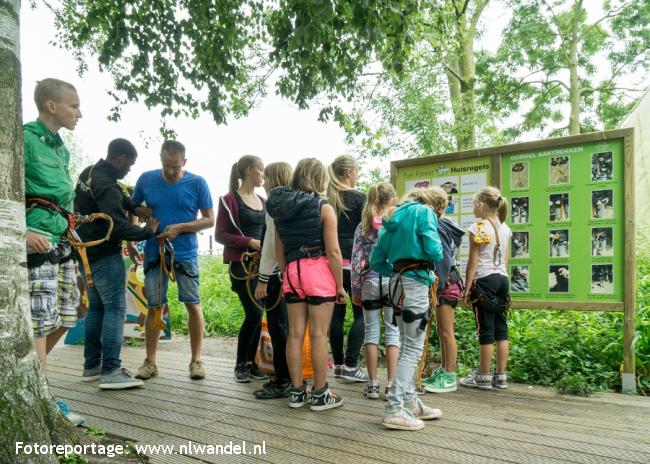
(574, 87)
(28, 411)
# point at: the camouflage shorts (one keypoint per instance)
(53, 296)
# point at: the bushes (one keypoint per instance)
(576, 349)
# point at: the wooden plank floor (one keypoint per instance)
(522, 424)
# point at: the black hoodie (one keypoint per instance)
(102, 194)
(451, 237)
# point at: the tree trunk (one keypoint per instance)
(574, 87)
(28, 412)
(453, 72)
(468, 73)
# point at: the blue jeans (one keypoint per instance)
(416, 299)
(104, 326)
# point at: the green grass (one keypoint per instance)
(577, 351)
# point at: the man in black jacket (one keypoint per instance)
(98, 192)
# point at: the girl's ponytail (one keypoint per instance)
(335, 186)
(502, 210)
(238, 170)
(234, 178)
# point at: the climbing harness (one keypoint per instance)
(74, 221)
(250, 261)
(400, 267)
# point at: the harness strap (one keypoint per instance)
(250, 261)
(74, 221)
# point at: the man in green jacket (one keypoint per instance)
(51, 271)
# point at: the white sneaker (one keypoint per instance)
(421, 410)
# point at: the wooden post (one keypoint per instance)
(628, 378)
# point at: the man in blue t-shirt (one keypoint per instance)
(175, 197)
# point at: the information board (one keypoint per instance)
(567, 209)
(460, 177)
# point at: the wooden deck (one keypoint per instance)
(521, 425)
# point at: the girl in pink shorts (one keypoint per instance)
(308, 251)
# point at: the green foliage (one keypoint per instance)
(95, 431)
(545, 43)
(221, 308)
(574, 384)
(192, 56)
(72, 459)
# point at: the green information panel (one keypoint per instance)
(567, 217)
(460, 178)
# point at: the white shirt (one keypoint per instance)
(488, 263)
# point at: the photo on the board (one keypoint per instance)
(519, 279)
(519, 176)
(558, 243)
(558, 207)
(519, 245)
(602, 167)
(519, 210)
(559, 170)
(602, 204)
(558, 278)
(602, 278)
(602, 241)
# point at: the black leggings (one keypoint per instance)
(278, 329)
(355, 335)
(251, 328)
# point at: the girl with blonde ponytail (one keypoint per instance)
(487, 288)
(348, 205)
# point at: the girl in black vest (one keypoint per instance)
(308, 251)
(348, 205)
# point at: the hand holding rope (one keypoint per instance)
(250, 261)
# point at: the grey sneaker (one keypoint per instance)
(119, 379)
(337, 371)
(500, 380)
(92, 374)
(353, 374)
(399, 418)
(478, 380)
(147, 370)
(421, 410)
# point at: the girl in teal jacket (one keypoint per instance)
(407, 250)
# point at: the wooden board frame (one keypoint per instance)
(628, 306)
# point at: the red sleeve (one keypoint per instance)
(225, 232)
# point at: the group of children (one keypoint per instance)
(398, 260)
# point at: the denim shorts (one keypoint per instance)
(187, 279)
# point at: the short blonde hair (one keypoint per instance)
(278, 175)
(50, 89)
(435, 197)
(310, 176)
